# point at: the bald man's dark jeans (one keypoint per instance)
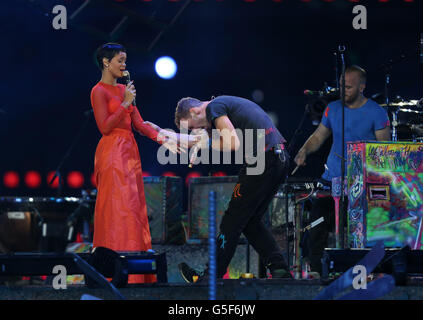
(318, 236)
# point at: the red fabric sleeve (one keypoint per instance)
(142, 128)
(105, 120)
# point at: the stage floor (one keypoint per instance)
(230, 289)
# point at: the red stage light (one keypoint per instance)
(55, 183)
(33, 179)
(169, 174)
(190, 175)
(11, 179)
(146, 174)
(75, 179)
(219, 174)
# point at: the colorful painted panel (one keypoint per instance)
(390, 208)
(357, 205)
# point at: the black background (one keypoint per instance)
(222, 47)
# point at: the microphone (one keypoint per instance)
(194, 155)
(328, 92)
(314, 93)
(127, 75)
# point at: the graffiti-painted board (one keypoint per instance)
(385, 194)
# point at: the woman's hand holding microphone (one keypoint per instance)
(130, 94)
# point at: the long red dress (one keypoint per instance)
(120, 219)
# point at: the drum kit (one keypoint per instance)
(406, 116)
(406, 119)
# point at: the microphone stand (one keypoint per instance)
(387, 67)
(298, 130)
(342, 215)
(67, 154)
(336, 71)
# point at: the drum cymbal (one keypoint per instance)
(410, 103)
(417, 129)
(410, 110)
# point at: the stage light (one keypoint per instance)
(146, 174)
(219, 174)
(75, 179)
(166, 67)
(11, 179)
(190, 175)
(32, 179)
(169, 174)
(55, 183)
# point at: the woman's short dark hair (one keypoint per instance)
(108, 50)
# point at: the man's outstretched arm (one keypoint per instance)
(312, 144)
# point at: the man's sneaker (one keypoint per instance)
(278, 270)
(280, 274)
(313, 275)
(190, 275)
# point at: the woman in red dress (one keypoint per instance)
(120, 220)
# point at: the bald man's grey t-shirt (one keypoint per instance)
(245, 114)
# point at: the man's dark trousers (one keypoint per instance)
(250, 200)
